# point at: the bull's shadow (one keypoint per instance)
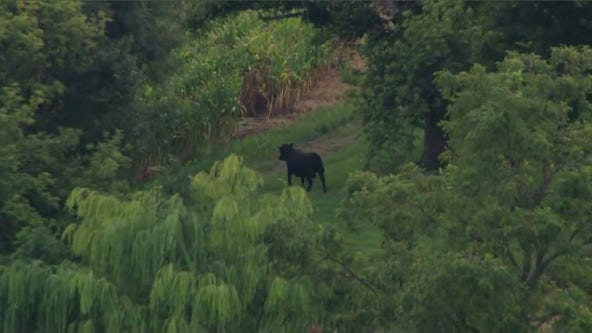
(305, 165)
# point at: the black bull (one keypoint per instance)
(303, 165)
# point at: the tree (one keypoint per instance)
(151, 29)
(505, 227)
(537, 26)
(234, 260)
(531, 203)
(345, 19)
(399, 94)
(44, 46)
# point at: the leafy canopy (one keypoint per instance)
(398, 93)
(152, 263)
(491, 242)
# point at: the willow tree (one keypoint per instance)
(151, 263)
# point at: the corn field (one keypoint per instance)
(242, 66)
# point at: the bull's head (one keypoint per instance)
(285, 151)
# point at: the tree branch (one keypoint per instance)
(573, 235)
(526, 265)
(541, 266)
(428, 216)
(463, 319)
(354, 275)
(539, 269)
(547, 179)
(513, 165)
(511, 256)
(551, 258)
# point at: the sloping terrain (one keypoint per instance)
(342, 149)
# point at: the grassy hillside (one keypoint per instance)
(332, 131)
(331, 128)
(336, 134)
(342, 150)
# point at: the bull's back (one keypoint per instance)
(307, 164)
(320, 168)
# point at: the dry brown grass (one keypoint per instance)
(254, 94)
(327, 89)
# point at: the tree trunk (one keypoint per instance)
(434, 139)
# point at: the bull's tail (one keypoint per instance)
(320, 167)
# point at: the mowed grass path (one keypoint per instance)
(338, 165)
(336, 134)
(342, 148)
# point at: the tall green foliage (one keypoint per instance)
(399, 94)
(151, 263)
(44, 45)
(537, 26)
(499, 239)
(62, 51)
(199, 105)
(151, 29)
(346, 19)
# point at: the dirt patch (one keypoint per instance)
(254, 125)
(328, 89)
(355, 60)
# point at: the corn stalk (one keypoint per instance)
(241, 66)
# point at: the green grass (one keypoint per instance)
(338, 166)
(259, 150)
(308, 127)
(336, 125)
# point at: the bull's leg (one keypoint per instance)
(309, 179)
(289, 178)
(322, 177)
(302, 181)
